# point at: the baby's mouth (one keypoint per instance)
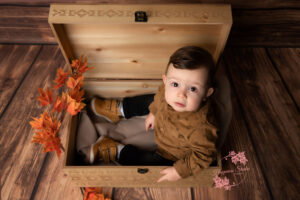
(179, 104)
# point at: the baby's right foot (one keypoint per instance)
(104, 148)
(107, 108)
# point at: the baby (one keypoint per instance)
(180, 114)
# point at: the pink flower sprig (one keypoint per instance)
(236, 158)
(225, 183)
(222, 182)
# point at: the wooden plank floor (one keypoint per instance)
(265, 93)
(266, 125)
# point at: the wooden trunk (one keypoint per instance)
(129, 58)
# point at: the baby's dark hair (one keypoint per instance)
(193, 57)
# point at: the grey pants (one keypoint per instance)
(126, 131)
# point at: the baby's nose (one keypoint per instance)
(181, 93)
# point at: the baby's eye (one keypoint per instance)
(193, 89)
(174, 84)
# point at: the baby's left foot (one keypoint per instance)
(107, 108)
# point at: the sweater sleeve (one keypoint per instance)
(154, 106)
(203, 151)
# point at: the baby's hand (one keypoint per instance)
(170, 174)
(149, 122)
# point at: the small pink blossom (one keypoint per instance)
(240, 157)
(219, 182)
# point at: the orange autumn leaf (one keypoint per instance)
(79, 67)
(38, 123)
(93, 189)
(53, 143)
(75, 83)
(73, 106)
(52, 126)
(50, 142)
(61, 77)
(47, 123)
(83, 67)
(60, 103)
(45, 97)
(48, 136)
(94, 194)
(77, 94)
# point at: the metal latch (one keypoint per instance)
(143, 170)
(140, 16)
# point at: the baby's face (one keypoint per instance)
(185, 89)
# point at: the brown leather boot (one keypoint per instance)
(107, 108)
(104, 148)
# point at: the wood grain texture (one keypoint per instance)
(271, 116)
(235, 3)
(120, 89)
(287, 62)
(34, 17)
(265, 28)
(278, 27)
(52, 182)
(216, 194)
(15, 60)
(171, 193)
(128, 176)
(22, 24)
(107, 34)
(131, 70)
(26, 35)
(252, 184)
(140, 44)
(21, 161)
(124, 14)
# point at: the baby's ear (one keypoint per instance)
(209, 92)
(164, 78)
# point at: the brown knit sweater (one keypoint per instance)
(184, 137)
